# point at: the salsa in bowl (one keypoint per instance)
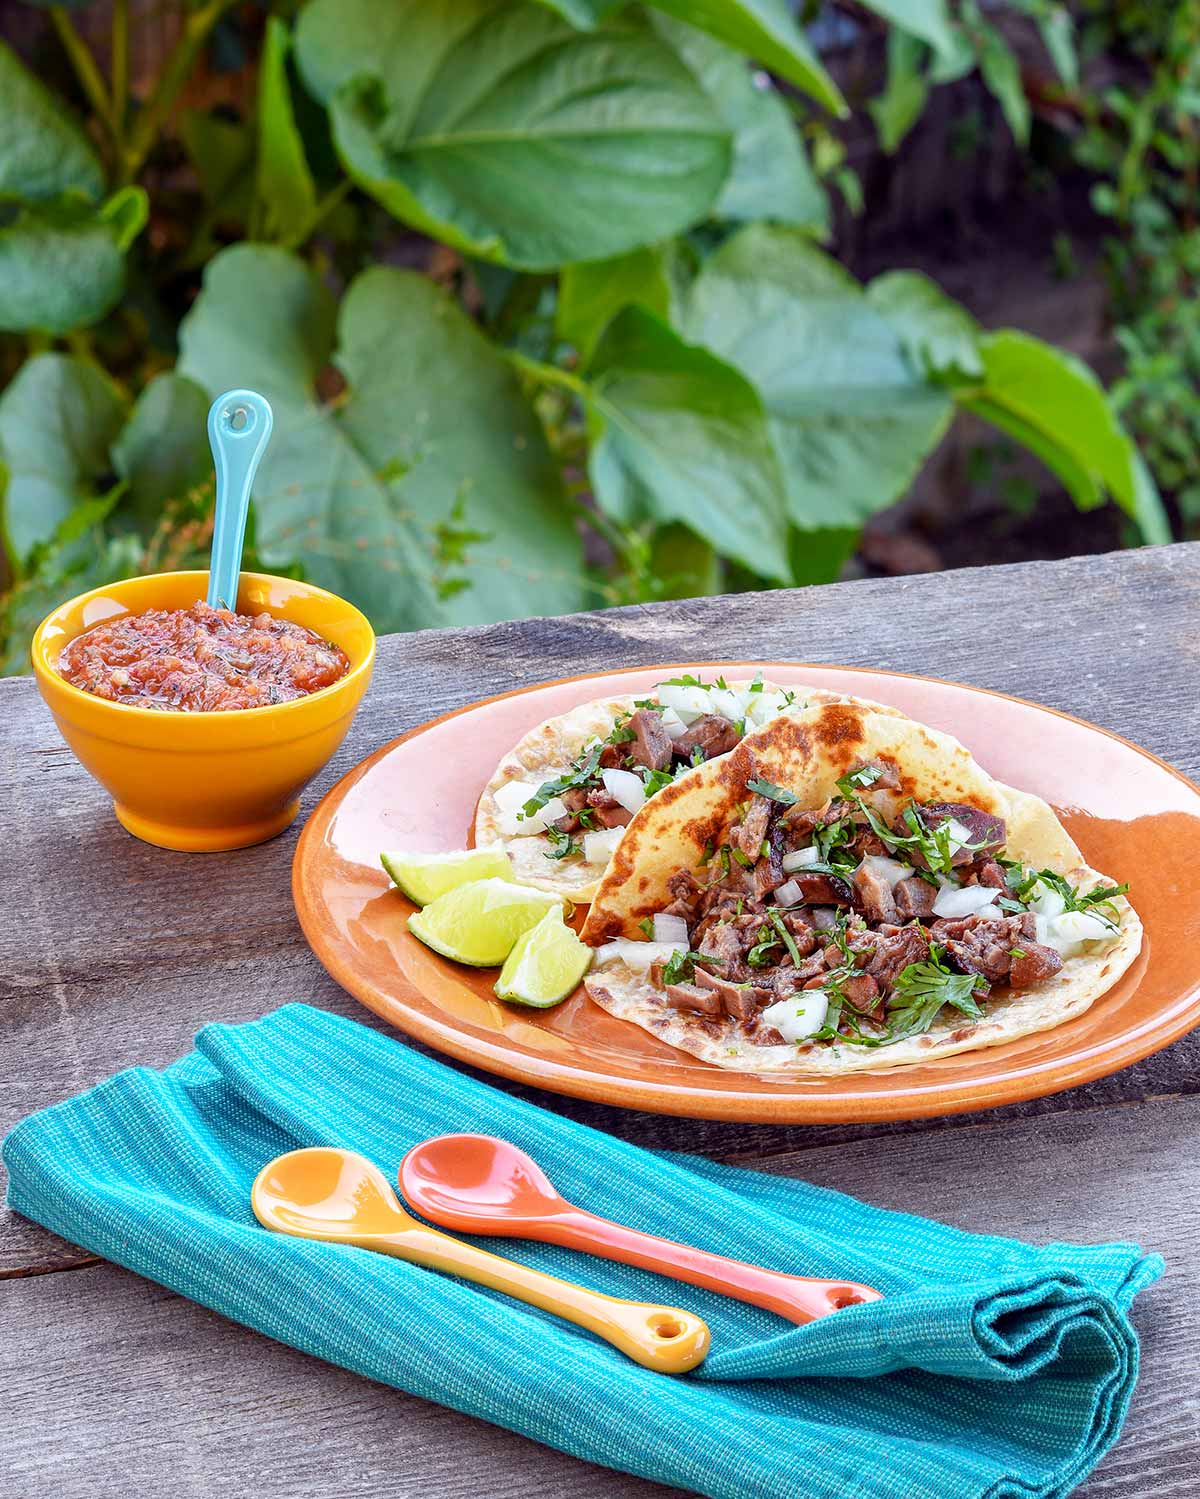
(223, 765)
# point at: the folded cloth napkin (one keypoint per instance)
(995, 1368)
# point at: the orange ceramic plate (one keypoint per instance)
(1132, 815)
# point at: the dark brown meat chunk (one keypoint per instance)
(607, 811)
(888, 778)
(890, 950)
(863, 993)
(786, 981)
(914, 899)
(984, 828)
(1033, 963)
(739, 1003)
(822, 889)
(685, 890)
(802, 822)
(711, 734)
(574, 799)
(651, 745)
(991, 873)
(752, 833)
(873, 895)
(721, 943)
(693, 998)
(768, 874)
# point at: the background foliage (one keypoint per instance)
(629, 371)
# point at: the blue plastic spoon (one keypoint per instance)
(239, 428)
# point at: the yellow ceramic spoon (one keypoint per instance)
(342, 1198)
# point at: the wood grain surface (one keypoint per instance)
(146, 1393)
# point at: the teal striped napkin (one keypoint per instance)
(990, 1368)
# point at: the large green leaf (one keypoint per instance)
(58, 419)
(766, 31)
(770, 177)
(584, 13)
(939, 334)
(376, 492)
(284, 186)
(929, 20)
(898, 108)
(503, 131)
(163, 451)
(1052, 403)
(852, 420)
(43, 152)
(592, 293)
(678, 435)
(62, 263)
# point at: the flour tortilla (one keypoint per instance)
(546, 751)
(807, 752)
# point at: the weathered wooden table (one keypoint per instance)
(113, 1385)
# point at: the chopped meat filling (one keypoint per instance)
(712, 735)
(651, 745)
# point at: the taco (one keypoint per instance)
(850, 890)
(561, 798)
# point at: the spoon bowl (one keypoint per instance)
(339, 1197)
(480, 1184)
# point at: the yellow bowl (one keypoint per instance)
(205, 781)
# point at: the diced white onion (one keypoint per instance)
(789, 894)
(796, 1019)
(959, 835)
(1068, 932)
(673, 724)
(598, 848)
(512, 796)
(727, 703)
(1046, 901)
(965, 900)
(627, 788)
(799, 857)
(766, 705)
(672, 929)
(889, 870)
(635, 954)
(689, 702)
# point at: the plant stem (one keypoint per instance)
(119, 71)
(325, 205)
(179, 64)
(83, 63)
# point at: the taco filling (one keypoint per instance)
(579, 813)
(858, 923)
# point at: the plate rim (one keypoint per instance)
(725, 1104)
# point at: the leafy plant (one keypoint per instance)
(536, 293)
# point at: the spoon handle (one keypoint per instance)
(239, 427)
(799, 1298)
(663, 1338)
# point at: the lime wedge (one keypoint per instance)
(423, 877)
(545, 965)
(478, 923)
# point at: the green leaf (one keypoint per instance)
(898, 108)
(770, 177)
(432, 440)
(927, 20)
(43, 152)
(500, 130)
(284, 183)
(939, 335)
(62, 263)
(58, 419)
(1053, 403)
(163, 451)
(1057, 29)
(851, 419)
(1002, 73)
(678, 435)
(818, 556)
(592, 293)
(584, 14)
(766, 31)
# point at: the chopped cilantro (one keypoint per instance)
(647, 926)
(581, 772)
(706, 857)
(858, 780)
(743, 859)
(722, 684)
(757, 684)
(562, 845)
(775, 917)
(922, 990)
(684, 681)
(774, 793)
(680, 967)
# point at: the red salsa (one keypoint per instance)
(201, 660)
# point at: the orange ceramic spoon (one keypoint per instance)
(479, 1184)
(339, 1197)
